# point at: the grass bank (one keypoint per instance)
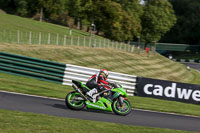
(154, 66)
(12, 22)
(20, 122)
(18, 30)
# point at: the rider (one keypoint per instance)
(96, 83)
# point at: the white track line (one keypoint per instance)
(168, 113)
(16, 93)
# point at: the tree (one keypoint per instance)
(157, 19)
(108, 17)
(187, 28)
(111, 19)
(52, 8)
(22, 7)
(115, 25)
(7, 5)
(133, 7)
(78, 9)
(134, 11)
(18, 7)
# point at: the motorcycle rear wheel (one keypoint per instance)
(123, 110)
(72, 102)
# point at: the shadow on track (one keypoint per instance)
(63, 106)
(60, 106)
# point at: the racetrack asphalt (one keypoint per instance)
(56, 107)
(193, 65)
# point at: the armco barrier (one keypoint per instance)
(84, 73)
(31, 67)
(168, 90)
(57, 72)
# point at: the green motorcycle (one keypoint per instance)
(112, 100)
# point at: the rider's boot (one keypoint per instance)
(94, 98)
(91, 94)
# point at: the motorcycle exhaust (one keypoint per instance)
(78, 90)
(79, 98)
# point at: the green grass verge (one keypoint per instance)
(18, 30)
(20, 122)
(196, 77)
(36, 87)
(12, 22)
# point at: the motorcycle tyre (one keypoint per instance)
(73, 107)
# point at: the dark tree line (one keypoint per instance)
(115, 19)
(187, 28)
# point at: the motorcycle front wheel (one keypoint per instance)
(73, 101)
(125, 109)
